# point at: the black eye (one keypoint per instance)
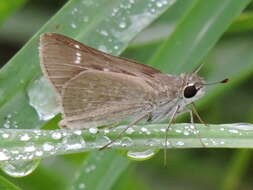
(190, 91)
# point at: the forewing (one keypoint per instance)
(95, 98)
(62, 58)
(58, 59)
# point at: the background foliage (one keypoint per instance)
(218, 33)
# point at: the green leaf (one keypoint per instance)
(9, 6)
(236, 168)
(244, 23)
(6, 185)
(200, 29)
(44, 143)
(101, 171)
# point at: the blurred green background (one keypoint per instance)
(186, 169)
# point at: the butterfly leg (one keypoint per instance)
(110, 126)
(192, 122)
(166, 133)
(123, 131)
(197, 114)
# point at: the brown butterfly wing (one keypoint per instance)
(62, 58)
(95, 98)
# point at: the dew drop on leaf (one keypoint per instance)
(43, 99)
(141, 155)
(20, 168)
(73, 142)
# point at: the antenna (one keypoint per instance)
(198, 68)
(219, 82)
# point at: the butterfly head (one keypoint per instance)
(193, 87)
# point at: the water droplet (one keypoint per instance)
(179, 143)
(73, 142)
(90, 168)
(75, 10)
(48, 147)
(30, 148)
(159, 4)
(5, 135)
(104, 33)
(43, 98)
(38, 153)
(101, 141)
(6, 124)
(129, 131)
(103, 49)
(178, 131)
(20, 168)
(126, 141)
(233, 131)
(93, 130)
(143, 129)
(73, 25)
(25, 137)
(56, 135)
(153, 142)
(163, 130)
(140, 155)
(106, 131)
(78, 132)
(122, 25)
(81, 186)
(152, 10)
(3, 156)
(186, 133)
(242, 126)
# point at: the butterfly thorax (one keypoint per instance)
(173, 95)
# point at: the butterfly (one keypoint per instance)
(97, 89)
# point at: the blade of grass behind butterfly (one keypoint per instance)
(200, 29)
(9, 6)
(100, 171)
(6, 185)
(243, 23)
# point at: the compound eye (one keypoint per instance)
(190, 91)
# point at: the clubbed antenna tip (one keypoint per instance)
(224, 81)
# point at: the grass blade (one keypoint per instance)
(6, 185)
(191, 40)
(31, 144)
(101, 171)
